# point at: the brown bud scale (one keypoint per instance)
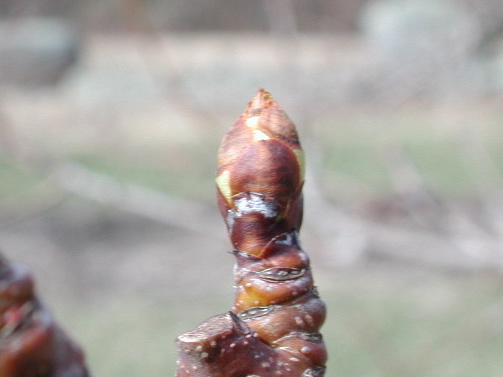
(273, 328)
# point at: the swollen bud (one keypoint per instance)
(260, 175)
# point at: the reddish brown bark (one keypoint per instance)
(31, 344)
(273, 328)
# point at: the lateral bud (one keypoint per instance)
(31, 343)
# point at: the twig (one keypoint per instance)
(272, 329)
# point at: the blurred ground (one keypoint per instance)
(107, 193)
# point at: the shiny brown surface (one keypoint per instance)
(273, 328)
(31, 344)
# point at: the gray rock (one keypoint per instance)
(425, 47)
(36, 51)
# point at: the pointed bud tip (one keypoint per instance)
(262, 99)
(265, 119)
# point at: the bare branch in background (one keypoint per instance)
(141, 201)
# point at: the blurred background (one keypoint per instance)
(111, 113)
